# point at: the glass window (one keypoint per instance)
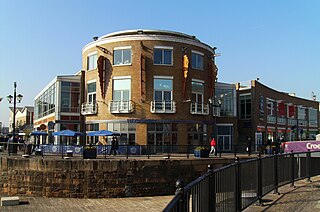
(162, 56)
(197, 91)
(197, 61)
(121, 89)
(245, 106)
(92, 61)
(122, 56)
(92, 92)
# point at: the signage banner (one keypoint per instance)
(302, 146)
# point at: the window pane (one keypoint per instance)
(117, 95)
(167, 56)
(123, 84)
(167, 95)
(197, 87)
(125, 95)
(117, 57)
(158, 95)
(157, 54)
(126, 56)
(200, 62)
(162, 84)
(194, 60)
(91, 87)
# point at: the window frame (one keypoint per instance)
(162, 48)
(121, 48)
(94, 62)
(198, 54)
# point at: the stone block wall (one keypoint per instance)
(100, 178)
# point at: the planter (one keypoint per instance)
(90, 153)
(203, 153)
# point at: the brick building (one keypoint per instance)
(267, 115)
(154, 87)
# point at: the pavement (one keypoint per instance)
(304, 196)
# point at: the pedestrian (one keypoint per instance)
(114, 146)
(213, 146)
(249, 146)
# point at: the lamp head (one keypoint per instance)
(9, 98)
(19, 98)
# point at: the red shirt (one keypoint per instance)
(213, 142)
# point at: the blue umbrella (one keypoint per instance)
(67, 133)
(102, 133)
(38, 133)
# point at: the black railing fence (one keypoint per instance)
(238, 185)
(124, 150)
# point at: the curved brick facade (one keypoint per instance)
(190, 111)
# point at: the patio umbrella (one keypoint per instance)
(102, 133)
(67, 133)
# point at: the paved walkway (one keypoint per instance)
(305, 196)
(143, 204)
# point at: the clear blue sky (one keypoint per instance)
(277, 41)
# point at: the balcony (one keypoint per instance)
(281, 120)
(163, 107)
(121, 106)
(271, 119)
(199, 108)
(292, 121)
(89, 108)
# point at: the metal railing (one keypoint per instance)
(163, 106)
(199, 108)
(89, 108)
(121, 106)
(237, 186)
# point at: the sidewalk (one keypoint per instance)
(305, 196)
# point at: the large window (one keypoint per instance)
(197, 60)
(127, 132)
(70, 96)
(162, 135)
(225, 138)
(92, 92)
(245, 106)
(162, 55)
(92, 61)
(122, 56)
(121, 89)
(45, 103)
(197, 134)
(225, 97)
(162, 93)
(313, 117)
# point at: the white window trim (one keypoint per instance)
(123, 48)
(163, 47)
(121, 77)
(196, 52)
(197, 80)
(91, 81)
(163, 77)
(92, 53)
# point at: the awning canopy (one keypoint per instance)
(102, 133)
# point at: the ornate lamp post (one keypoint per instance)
(15, 97)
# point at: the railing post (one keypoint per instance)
(259, 179)
(212, 190)
(292, 168)
(275, 174)
(182, 206)
(308, 161)
(148, 151)
(238, 185)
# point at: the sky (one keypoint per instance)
(275, 41)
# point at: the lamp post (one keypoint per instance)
(15, 97)
(215, 113)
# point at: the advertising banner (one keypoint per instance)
(302, 146)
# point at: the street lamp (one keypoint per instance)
(215, 113)
(15, 98)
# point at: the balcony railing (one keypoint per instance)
(271, 119)
(199, 108)
(292, 121)
(89, 108)
(303, 122)
(121, 106)
(216, 111)
(281, 120)
(163, 107)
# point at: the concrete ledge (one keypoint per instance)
(9, 201)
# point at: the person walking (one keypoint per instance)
(114, 146)
(249, 143)
(213, 146)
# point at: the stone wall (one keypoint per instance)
(100, 178)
